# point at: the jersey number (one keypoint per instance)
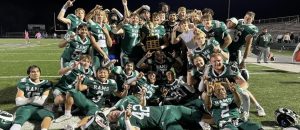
(237, 36)
(140, 112)
(225, 110)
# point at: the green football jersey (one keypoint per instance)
(156, 117)
(75, 22)
(32, 89)
(224, 109)
(151, 88)
(97, 31)
(131, 37)
(124, 102)
(122, 76)
(218, 31)
(207, 50)
(230, 72)
(98, 91)
(75, 48)
(239, 35)
(68, 80)
(143, 117)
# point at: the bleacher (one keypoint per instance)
(279, 26)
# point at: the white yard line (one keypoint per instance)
(10, 77)
(28, 61)
(261, 73)
(31, 53)
(26, 46)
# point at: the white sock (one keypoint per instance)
(16, 127)
(246, 100)
(68, 113)
(44, 129)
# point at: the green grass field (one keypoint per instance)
(272, 88)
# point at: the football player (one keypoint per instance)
(176, 91)
(215, 29)
(100, 31)
(30, 99)
(68, 81)
(206, 47)
(127, 77)
(224, 107)
(130, 32)
(154, 117)
(72, 20)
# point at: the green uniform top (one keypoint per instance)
(68, 80)
(224, 109)
(230, 72)
(151, 88)
(207, 50)
(156, 117)
(75, 48)
(32, 89)
(122, 76)
(98, 91)
(179, 92)
(75, 22)
(131, 37)
(143, 117)
(218, 31)
(97, 31)
(124, 102)
(239, 35)
(264, 40)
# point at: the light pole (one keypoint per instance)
(228, 9)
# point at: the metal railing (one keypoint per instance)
(286, 19)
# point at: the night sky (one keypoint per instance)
(16, 14)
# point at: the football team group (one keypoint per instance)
(140, 70)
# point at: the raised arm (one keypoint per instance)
(120, 15)
(126, 10)
(236, 95)
(91, 14)
(79, 85)
(62, 12)
(208, 94)
(141, 63)
(137, 11)
(174, 39)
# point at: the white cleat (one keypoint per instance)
(260, 111)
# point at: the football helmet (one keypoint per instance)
(245, 74)
(286, 117)
(6, 120)
(101, 119)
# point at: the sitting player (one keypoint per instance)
(224, 105)
(30, 99)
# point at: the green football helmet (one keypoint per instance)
(6, 120)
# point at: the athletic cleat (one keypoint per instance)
(260, 111)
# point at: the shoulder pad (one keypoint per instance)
(23, 80)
